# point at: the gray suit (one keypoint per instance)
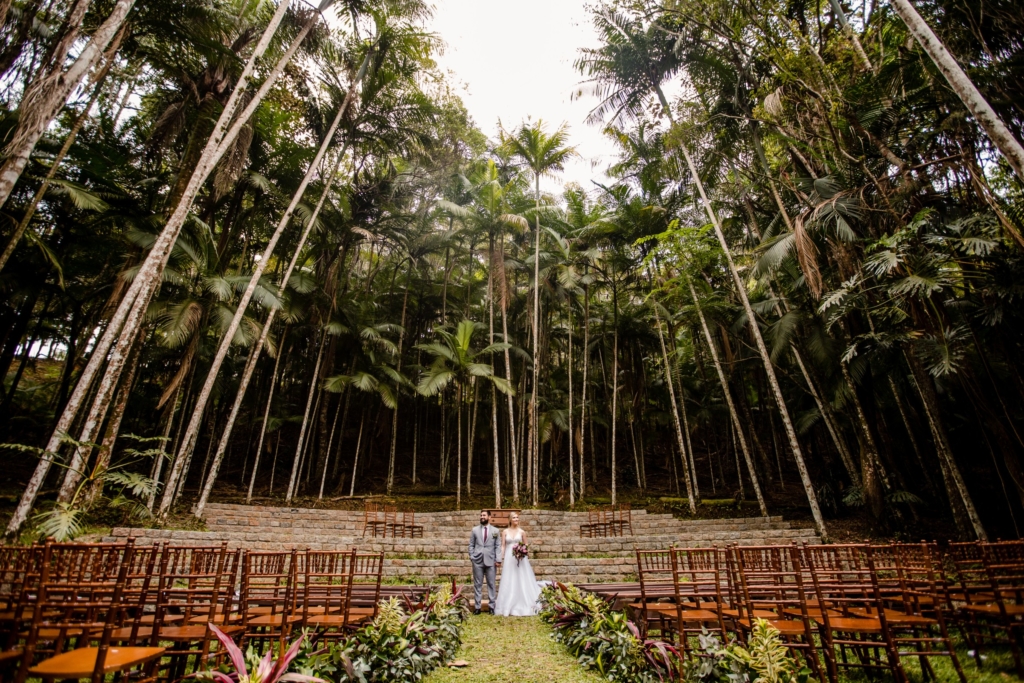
(484, 554)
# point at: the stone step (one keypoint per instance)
(614, 546)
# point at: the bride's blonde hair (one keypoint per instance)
(515, 516)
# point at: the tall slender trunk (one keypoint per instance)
(158, 464)
(313, 391)
(471, 437)
(494, 393)
(962, 85)
(398, 367)
(330, 443)
(675, 416)
(583, 401)
(458, 448)
(737, 427)
(572, 478)
(46, 95)
(534, 436)
(266, 416)
(511, 400)
(355, 458)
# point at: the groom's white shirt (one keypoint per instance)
(483, 552)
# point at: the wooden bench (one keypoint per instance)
(499, 518)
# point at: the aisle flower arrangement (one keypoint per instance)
(406, 641)
(605, 640)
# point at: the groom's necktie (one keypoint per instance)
(485, 534)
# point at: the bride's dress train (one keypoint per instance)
(518, 591)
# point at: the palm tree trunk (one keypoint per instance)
(675, 416)
(737, 427)
(159, 463)
(398, 364)
(956, 487)
(458, 448)
(534, 440)
(313, 391)
(615, 402)
(494, 393)
(583, 401)
(355, 458)
(962, 85)
(266, 416)
(511, 401)
(572, 478)
(225, 437)
(471, 437)
(330, 444)
(46, 96)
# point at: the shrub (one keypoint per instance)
(765, 659)
(602, 639)
(400, 646)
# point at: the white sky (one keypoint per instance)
(510, 60)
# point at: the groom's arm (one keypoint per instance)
(472, 543)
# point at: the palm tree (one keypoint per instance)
(543, 154)
(456, 361)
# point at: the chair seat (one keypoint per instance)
(812, 612)
(81, 662)
(758, 613)
(218, 619)
(168, 618)
(274, 619)
(180, 634)
(1014, 610)
(125, 633)
(855, 624)
(787, 627)
(362, 611)
(898, 618)
(329, 620)
(665, 607)
(8, 655)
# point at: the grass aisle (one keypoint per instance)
(517, 649)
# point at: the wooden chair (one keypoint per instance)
(373, 520)
(367, 574)
(390, 513)
(920, 619)
(597, 524)
(267, 597)
(850, 611)
(697, 585)
(74, 611)
(196, 588)
(500, 516)
(993, 611)
(140, 596)
(771, 587)
(655, 609)
(621, 519)
(407, 526)
(326, 597)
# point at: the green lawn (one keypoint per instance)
(520, 649)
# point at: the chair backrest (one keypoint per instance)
(769, 578)
(80, 591)
(971, 571)
(327, 583)
(192, 582)
(1005, 568)
(141, 585)
(844, 578)
(368, 571)
(697, 575)
(921, 578)
(654, 568)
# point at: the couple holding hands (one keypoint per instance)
(490, 547)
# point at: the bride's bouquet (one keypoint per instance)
(519, 551)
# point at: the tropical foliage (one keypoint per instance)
(280, 246)
(605, 640)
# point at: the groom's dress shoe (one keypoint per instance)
(476, 611)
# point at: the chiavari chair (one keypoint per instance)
(697, 585)
(771, 587)
(267, 598)
(79, 603)
(849, 610)
(326, 598)
(994, 597)
(371, 518)
(655, 609)
(367, 574)
(192, 593)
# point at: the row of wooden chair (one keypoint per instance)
(89, 610)
(383, 520)
(836, 606)
(610, 520)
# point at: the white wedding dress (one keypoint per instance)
(518, 591)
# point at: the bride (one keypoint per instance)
(518, 591)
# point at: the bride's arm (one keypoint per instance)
(503, 532)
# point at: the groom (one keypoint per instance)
(484, 547)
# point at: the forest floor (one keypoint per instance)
(498, 649)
